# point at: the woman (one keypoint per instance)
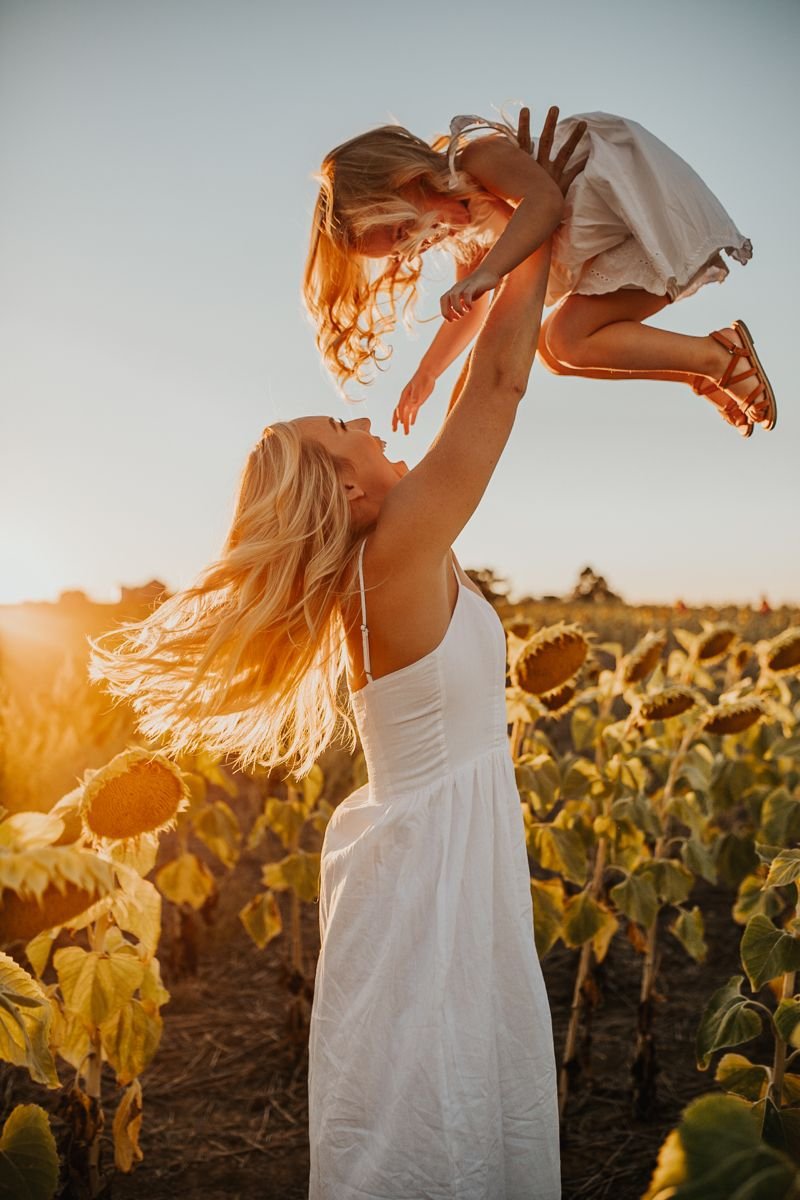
(431, 1069)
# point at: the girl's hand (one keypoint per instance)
(459, 299)
(412, 398)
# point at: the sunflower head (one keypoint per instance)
(714, 643)
(644, 657)
(549, 659)
(782, 654)
(560, 699)
(661, 706)
(137, 792)
(734, 716)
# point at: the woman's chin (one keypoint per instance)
(400, 467)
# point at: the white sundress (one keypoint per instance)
(637, 216)
(432, 1072)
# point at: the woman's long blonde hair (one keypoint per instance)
(248, 662)
(359, 191)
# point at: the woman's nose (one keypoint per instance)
(362, 423)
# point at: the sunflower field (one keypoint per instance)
(159, 932)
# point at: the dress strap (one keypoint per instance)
(364, 630)
(459, 127)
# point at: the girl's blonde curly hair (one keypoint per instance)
(360, 184)
(248, 662)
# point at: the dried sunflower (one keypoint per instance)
(137, 792)
(549, 659)
(661, 706)
(644, 657)
(782, 654)
(734, 716)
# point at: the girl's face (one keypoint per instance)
(439, 218)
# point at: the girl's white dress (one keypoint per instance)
(431, 1066)
(637, 216)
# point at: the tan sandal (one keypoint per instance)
(723, 403)
(762, 389)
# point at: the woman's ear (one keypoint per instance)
(354, 491)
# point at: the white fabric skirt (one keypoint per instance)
(637, 216)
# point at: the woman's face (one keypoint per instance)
(367, 473)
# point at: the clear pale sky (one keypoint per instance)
(156, 160)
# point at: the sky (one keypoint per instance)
(157, 162)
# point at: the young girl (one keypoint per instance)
(636, 230)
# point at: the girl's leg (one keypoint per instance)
(727, 407)
(606, 334)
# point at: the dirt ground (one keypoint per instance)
(225, 1101)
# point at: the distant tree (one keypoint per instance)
(592, 588)
(154, 590)
(72, 599)
(493, 587)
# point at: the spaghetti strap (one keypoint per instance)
(364, 629)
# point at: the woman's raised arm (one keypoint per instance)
(427, 510)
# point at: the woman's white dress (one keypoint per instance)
(431, 1066)
(637, 216)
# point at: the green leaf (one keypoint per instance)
(548, 913)
(218, 828)
(28, 1156)
(130, 1039)
(717, 1154)
(578, 779)
(582, 726)
(785, 869)
(545, 782)
(767, 951)
(754, 898)
(698, 858)
(285, 818)
(766, 853)
(261, 918)
(186, 880)
(96, 984)
(584, 918)
(737, 1074)
(26, 1018)
(673, 881)
(786, 1019)
(688, 928)
(602, 939)
(780, 818)
(636, 898)
(297, 872)
(735, 858)
(726, 1021)
(698, 768)
(560, 850)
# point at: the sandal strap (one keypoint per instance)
(730, 346)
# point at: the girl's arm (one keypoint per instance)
(531, 186)
(450, 340)
(423, 515)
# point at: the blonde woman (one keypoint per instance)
(431, 1068)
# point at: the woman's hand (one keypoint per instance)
(459, 299)
(556, 168)
(412, 398)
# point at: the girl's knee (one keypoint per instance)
(562, 351)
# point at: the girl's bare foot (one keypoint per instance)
(737, 371)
